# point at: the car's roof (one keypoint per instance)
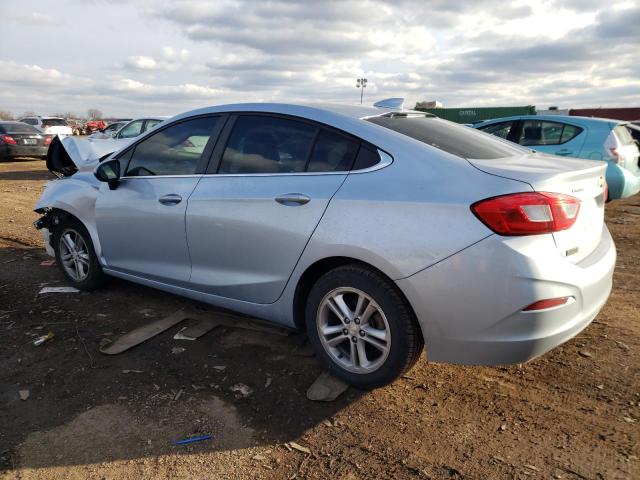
(561, 118)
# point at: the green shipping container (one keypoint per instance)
(474, 115)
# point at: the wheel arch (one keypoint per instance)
(314, 271)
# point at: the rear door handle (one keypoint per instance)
(292, 199)
(171, 199)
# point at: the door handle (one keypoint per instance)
(171, 199)
(293, 199)
(564, 151)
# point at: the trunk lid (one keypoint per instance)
(28, 139)
(583, 179)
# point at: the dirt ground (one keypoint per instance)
(574, 413)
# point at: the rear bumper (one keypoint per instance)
(470, 306)
(12, 151)
(622, 183)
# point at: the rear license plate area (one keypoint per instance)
(30, 141)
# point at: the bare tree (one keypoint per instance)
(94, 114)
(6, 115)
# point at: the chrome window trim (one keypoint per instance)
(385, 160)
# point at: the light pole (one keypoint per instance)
(361, 83)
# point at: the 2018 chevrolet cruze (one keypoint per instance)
(376, 230)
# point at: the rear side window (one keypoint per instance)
(54, 122)
(263, 144)
(332, 152)
(175, 150)
(502, 129)
(540, 132)
(623, 135)
(150, 124)
(452, 138)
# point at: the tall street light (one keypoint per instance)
(361, 83)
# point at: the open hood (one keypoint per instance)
(67, 156)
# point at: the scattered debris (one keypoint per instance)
(267, 384)
(47, 263)
(326, 388)
(132, 371)
(300, 448)
(628, 419)
(260, 458)
(242, 390)
(503, 427)
(24, 394)
(197, 330)
(585, 353)
(219, 368)
(178, 395)
(44, 338)
(532, 467)
(58, 290)
(139, 335)
(622, 345)
(177, 350)
(186, 441)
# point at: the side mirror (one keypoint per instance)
(109, 172)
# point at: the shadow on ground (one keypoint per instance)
(85, 407)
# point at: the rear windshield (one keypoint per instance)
(54, 122)
(459, 140)
(17, 127)
(624, 137)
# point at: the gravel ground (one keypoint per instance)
(574, 413)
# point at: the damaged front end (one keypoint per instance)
(47, 224)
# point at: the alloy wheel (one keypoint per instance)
(353, 330)
(74, 255)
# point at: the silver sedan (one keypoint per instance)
(376, 230)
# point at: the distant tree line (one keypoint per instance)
(92, 114)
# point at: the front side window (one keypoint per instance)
(264, 144)
(502, 129)
(449, 137)
(132, 130)
(175, 150)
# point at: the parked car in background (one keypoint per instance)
(49, 125)
(94, 126)
(376, 230)
(581, 137)
(109, 131)
(19, 139)
(138, 126)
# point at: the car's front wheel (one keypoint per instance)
(76, 257)
(361, 327)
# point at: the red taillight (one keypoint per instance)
(47, 139)
(9, 140)
(528, 213)
(547, 303)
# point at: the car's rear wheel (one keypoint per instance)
(361, 327)
(76, 257)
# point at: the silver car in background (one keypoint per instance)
(375, 230)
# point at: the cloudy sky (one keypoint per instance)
(129, 58)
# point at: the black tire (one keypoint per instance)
(406, 338)
(95, 277)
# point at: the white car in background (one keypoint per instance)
(138, 126)
(49, 125)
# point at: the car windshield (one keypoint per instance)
(17, 127)
(452, 138)
(54, 122)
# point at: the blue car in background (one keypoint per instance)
(581, 137)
